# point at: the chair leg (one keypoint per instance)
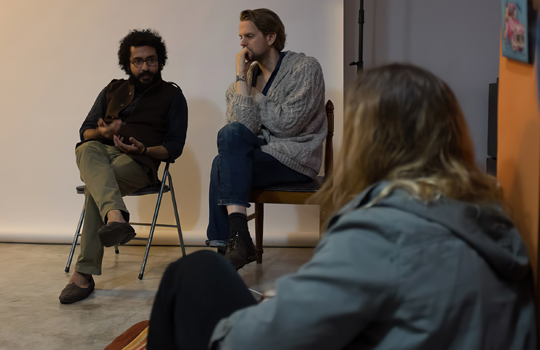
(321, 223)
(259, 219)
(153, 227)
(177, 217)
(116, 249)
(75, 239)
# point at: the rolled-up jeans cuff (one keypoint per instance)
(216, 243)
(233, 202)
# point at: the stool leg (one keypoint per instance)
(259, 219)
(322, 223)
(176, 216)
(75, 239)
(153, 227)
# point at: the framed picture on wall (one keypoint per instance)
(517, 22)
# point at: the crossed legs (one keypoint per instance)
(108, 175)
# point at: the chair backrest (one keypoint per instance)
(329, 147)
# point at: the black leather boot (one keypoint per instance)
(240, 249)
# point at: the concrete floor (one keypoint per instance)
(32, 276)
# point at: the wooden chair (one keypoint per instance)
(291, 193)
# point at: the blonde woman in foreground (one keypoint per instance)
(419, 255)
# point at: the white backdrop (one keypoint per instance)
(58, 54)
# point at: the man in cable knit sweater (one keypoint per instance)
(276, 125)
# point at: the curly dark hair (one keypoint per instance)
(137, 38)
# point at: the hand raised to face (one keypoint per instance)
(243, 61)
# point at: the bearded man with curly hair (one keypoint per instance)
(133, 126)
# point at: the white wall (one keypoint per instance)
(457, 40)
(58, 54)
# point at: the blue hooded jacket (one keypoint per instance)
(401, 274)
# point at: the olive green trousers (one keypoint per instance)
(108, 175)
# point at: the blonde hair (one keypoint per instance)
(404, 125)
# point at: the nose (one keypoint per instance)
(145, 66)
(243, 42)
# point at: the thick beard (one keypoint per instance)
(139, 85)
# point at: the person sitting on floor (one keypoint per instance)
(420, 254)
(133, 126)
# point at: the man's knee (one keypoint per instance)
(90, 147)
(231, 133)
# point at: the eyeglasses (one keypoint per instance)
(151, 61)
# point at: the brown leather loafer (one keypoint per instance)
(116, 233)
(73, 293)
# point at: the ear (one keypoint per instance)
(271, 38)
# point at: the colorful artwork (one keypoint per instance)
(515, 36)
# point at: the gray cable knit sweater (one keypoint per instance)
(290, 117)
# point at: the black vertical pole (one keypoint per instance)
(360, 63)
